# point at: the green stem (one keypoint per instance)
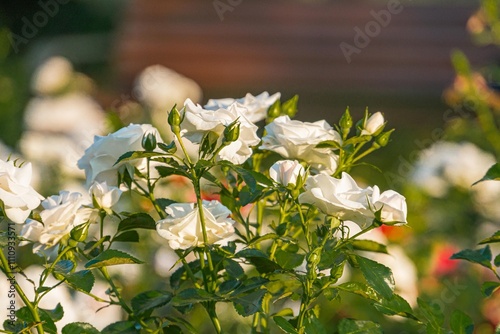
(123, 304)
(33, 310)
(487, 123)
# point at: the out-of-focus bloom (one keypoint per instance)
(161, 88)
(286, 172)
(52, 76)
(344, 199)
(17, 196)
(61, 213)
(256, 106)
(198, 121)
(105, 196)
(374, 123)
(183, 228)
(447, 164)
(294, 139)
(100, 158)
(441, 264)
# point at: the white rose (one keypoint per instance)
(297, 140)
(198, 121)
(100, 158)
(52, 76)
(105, 196)
(286, 172)
(61, 213)
(182, 228)
(17, 196)
(393, 205)
(341, 198)
(256, 105)
(373, 124)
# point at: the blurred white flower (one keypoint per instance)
(161, 88)
(294, 139)
(286, 172)
(105, 196)
(374, 123)
(486, 198)
(17, 196)
(341, 198)
(256, 105)
(198, 121)
(182, 228)
(52, 76)
(447, 164)
(61, 213)
(100, 158)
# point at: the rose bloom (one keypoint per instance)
(198, 121)
(100, 158)
(297, 140)
(182, 228)
(374, 123)
(17, 196)
(52, 76)
(61, 213)
(286, 172)
(256, 105)
(341, 198)
(104, 196)
(392, 204)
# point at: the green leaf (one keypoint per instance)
(259, 259)
(164, 202)
(369, 245)
(250, 303)
(111, 257)
(434, 316)
(494, 238)
(170, 148)
(133, 155)
(360, 289)
(285, 325)
(127, 236)
(193, 296)
(461, 323)
(492, 174)
(56, 314)
(489, 287)
(165, 171)
(288, 260)
(350, 326)
(81, 280)
(397, 305)
(149, 300)
(378, 276)
(496, 262)
(137, 220)
(180, 274)
(121, 327)
(329, 144)
(79, 328)
(233, 268)
(480, 256)
(63, 266)
(48, 324)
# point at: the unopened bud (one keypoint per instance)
(383, 139)
(290, 107)
(149, 142)
(346, 122)
(79, 233)
(232, 132)
(174, 120)
(274, 110)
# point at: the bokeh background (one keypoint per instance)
(399, 62)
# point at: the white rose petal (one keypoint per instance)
(256, 106)
(61, 213)
(182, 228)
(16, 194)
(100, 158)
(297, 140)
(198, 121)
(373, 124)
(341, 198)
(393, 205)
(286, 172)
(105, 196)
